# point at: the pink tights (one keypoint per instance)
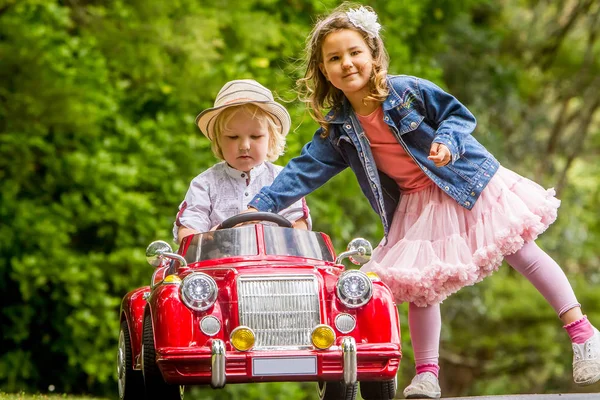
(425, 323)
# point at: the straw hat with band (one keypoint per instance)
(238, 92)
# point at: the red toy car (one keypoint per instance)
(258, 303)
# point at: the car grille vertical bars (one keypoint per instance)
(282, 310)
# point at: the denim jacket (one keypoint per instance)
(419, 113)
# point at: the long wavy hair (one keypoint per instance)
(315, 90)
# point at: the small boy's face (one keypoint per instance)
(245, 141)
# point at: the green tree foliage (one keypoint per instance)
(98, 145)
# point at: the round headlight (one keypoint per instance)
(354, 288)
(210, 326)
(322, 337)
(242, 338)
(345, 323)
(198, 291)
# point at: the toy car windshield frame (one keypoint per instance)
(244, 241)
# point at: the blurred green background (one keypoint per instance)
(98, 146)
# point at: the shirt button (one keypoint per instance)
(246, 194)
(243, 175)
(269, 210)
(413, 125)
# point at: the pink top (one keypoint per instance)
(390, 157)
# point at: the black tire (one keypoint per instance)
(382, 390)
(336, 391)
(156, 387)
(130, 381)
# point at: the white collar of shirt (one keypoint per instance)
(241, 175)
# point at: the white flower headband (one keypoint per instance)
(365, 20)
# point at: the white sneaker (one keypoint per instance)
(423, 386)
(586, 360)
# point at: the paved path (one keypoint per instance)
(578, 396)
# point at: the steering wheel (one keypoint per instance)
(255, 216)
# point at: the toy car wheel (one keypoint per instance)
(131, 382)
(156, 387)
(383, 390)
(337, 391)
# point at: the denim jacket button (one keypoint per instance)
(467, 203)
(413, 125)
(348, 126)
(425, 169)
(446, 188)
(472, 193)
(386, 118)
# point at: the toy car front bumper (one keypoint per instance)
(214, 365)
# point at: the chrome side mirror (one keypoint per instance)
(359, 251)
(158, 250)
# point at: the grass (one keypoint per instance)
(27, 396)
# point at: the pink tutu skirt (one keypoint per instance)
(435, 246)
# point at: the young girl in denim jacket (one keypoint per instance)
(450, 212)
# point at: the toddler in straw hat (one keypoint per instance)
(247, 129)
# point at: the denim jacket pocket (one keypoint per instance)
(410, 122)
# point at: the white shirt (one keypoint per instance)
(221, 192)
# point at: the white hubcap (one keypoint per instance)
(121, 365)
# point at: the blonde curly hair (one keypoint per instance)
(276, 137)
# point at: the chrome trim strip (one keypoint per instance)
(349, 362)
(217, 379)
(286, 348)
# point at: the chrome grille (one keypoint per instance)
(282, 310)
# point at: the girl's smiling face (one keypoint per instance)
(245, 141)
(347, 62)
